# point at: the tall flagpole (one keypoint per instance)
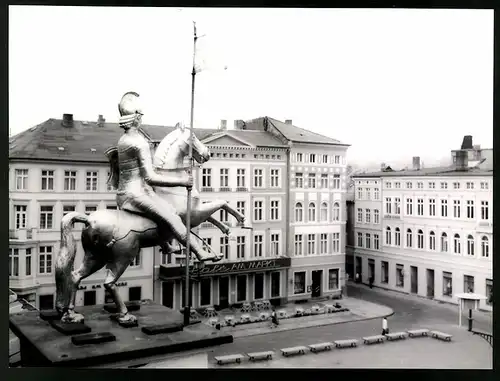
(187, 306)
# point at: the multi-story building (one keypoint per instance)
(427, 231)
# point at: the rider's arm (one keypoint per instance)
(153, 178)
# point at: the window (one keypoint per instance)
(376, 243)
(336, 181)
(28, 262)
(324, 159)
(447, 284)
(470, 185)
(46, 217)
(432, 241)
(312, 212)
(240, 247)
(388, 185)
(397, 185)
(205, 292)
(224, 177)
(489, 292)
(69, 180)
(70, 208)
(376, 216)
(299, 212)
(90, 209)
(336, 211)
(409, 206)
(134, 293)
(258, 175)
(360, 194)
(275, 284)
(367, 215)
(484, 185)
(312, 158)
(240, 207)
(20, 216)
(299, 281)
(420, 185)
(470, 245)
(485, 249)
(376, 194)
(258, 286)
(456, 185)
(444, 208)
(311, 244)
(45, 260)
(46, 302)
(298, 244)
(299, 180)
(47, 180)
(91, 181)
(240, 178)
(456, 244)
(206, 178)
(444, 185)
(224, 246)
(89, 298)
(275, 210)
(397, 205)
(420, 239)
(456, 208)
(432, 185)
(420, 207)
(360, 239)
(409, 238)
(333, 279)
(109, 186)
(324, 181)
(258, 245)
(400, 276)
(397, 237)
(136, 262)
(311, 180)
(360, 215)
(484, 210)
(388, 235)
(470, 209)
(257, 210)
(275, 175)
(275, 245)
(21, 179)
(336, 242)
(323, 213)
(368, 241)
(388, 207)
(444, 243)
(323, 243)
(409, 185)
(368, 196)
(336, 159)
(384, 266)
(13, 262)
(300, 158)
(468, 283)
(432, 207)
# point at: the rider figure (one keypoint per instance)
(137, 177)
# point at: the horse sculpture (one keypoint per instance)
(114, 238)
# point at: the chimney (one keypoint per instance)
(223, 125)
(416, 163)
(461, 160)
(467, 142)
(239, 124)
(383, 167)
(288, 121)
(100, 121)
(67, 120)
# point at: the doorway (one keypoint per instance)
(167, 294)
(358, 270)
(316, 276)
(430, 283)
(224, 292)
(371, 270)
(414, 279)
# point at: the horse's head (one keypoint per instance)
(201, 153)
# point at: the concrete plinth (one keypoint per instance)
(43, 345)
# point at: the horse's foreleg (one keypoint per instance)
(115, 271)
(221, 226)
(204, 211)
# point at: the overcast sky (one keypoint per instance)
(393, 83)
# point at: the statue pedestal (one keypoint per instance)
(159, 332)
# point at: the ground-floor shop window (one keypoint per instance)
(89, 298)
(333, 279)
(489, 292)
(275, 284)
(385, 272)
(447, 283)
(258, 283)
(241, 288)
(299, 282)
(468, 283)
(46, 302)
(108, 297)
(134, 293)
(371, 269)
(400, 276)
(205, 292)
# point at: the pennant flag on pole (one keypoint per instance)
(208, 57)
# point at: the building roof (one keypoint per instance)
(291, 132)
(87, 142)
(484, 169)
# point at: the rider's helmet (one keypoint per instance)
(129, 108)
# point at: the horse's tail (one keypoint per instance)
(66, 258)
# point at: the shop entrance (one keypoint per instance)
(167, 294)
(316, 276)
(430, 283)
(224, 292)
(414, 279)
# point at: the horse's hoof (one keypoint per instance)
(127, 318)
(72, 318)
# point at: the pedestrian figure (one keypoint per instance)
(274, 319)
(385, 330)
(357, 278)
(371, 282)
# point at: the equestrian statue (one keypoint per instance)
(152, 206)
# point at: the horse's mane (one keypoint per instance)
(164, 147)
